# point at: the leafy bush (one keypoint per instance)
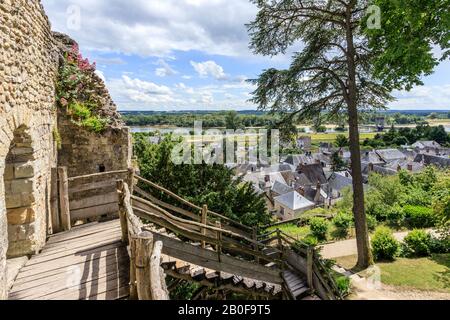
(440, 245)
(319, 227)
(343, 222)
(384, 245)
(372, 222)
(310, 241)
(419, 217)
(343, 284)
(418, 243)
(395, 216)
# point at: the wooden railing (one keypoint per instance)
(83, 197)
(193, 212)
(305, 259)
(146, 277)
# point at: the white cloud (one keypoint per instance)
(158, 28)
(425, 97)
(209, 69)
(165, 69)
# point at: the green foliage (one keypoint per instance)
(419, 217)
(398, 137)
(418, 242)
(341, 141)
(337, 163)
(319, 227)
(310, 240)
(213, 185)
(403, 46)
(343, 284)
(184, 291)
(343, 221)
(372, 222)
(384, 245)
(76, 91)
(57, 138)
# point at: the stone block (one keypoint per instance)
(23, 170)
(21, 216)
(21, 232)
(22, 186)
(22, 248)
(9, 172)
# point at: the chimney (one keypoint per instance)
(370, 167)
(317, 161)
(317, 197)
(410, 167)
(301, 191)
(399, 168)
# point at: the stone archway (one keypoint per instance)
(19, 181)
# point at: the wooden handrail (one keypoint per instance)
(94, 175)
(169, 216)
(192, 235)
(198, 208)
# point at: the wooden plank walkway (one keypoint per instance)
(87, 263)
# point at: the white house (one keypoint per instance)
(290, 205)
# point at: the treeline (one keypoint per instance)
(407, 136)
(401, 118)
(210, 120)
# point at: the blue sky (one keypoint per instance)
(187, 54)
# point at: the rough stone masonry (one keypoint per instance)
(30, 56)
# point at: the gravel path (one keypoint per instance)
(348, 247)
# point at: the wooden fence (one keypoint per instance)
(84, 197)
(147, 280)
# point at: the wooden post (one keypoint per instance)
(309, 268)
(130, 180)
(144, 248)
(204, 222)
(219, 239)
(158, 287)
(122, 211)
(64, 209)
(54, 206)
(133, 282)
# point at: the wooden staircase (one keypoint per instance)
(209, 249)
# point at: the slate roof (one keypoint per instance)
(281, 188)
(404, 164)
(388, 155)
(371, 157)
(433, 160)
(314, 173)
(426, 144)
(338, 182)
(294, 201)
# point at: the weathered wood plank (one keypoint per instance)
(64, 208)
(92, 186)
(94, 201)
(95, 211)
(54, 205)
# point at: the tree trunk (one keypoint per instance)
(362, 235)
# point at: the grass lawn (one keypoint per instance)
(293, 231)
(331, 137)
(430, 274)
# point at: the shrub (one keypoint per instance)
(310, 241)
(371, 222)
(319, 228)
(343, 221)
(419, 217)
(343, 284)
(419, 243)
(395, 216)
(440, 246)
(384, 245)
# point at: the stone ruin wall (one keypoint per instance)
(27, 119)
(84, 152)
(30, 55)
